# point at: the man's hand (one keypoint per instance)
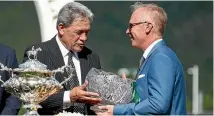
(109, 110)
(79, 94)
(124, 76)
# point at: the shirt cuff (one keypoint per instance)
(66, 100)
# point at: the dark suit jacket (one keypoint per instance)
(9, 105)
(52, 57)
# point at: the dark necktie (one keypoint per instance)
(142, 59)
(73, 82)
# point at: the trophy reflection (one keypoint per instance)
(32, 82)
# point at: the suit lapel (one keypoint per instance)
(55, 51)
(57, 61)
(161, 43)
(84, 65)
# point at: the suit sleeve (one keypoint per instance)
(13, 104)
(161, 77)
(97, 59)
(53, 104)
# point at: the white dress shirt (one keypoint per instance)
(146, 52)
(65, 51)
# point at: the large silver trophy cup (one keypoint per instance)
(112, 88)
(32, 82)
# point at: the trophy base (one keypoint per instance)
(31, 113)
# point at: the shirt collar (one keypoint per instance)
(146, 52)
(62, 48)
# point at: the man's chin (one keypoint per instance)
(133, 45)
(79, 49)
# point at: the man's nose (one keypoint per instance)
(127, 31)
(83, 37)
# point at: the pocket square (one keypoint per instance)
(141, 76)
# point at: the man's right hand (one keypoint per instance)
(79, 94)
(123, 76)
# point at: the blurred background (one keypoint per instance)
(189, 33)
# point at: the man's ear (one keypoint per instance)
(61, 29)
(149, 27)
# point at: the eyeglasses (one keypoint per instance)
(134, 24)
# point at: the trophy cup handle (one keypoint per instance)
(66, 79)
(68, 67)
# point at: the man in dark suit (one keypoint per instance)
(9, 105)
(68, 48)
(160, 85)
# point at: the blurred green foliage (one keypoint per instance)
(208, 102)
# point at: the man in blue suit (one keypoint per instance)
(160, 82)
(9, 105)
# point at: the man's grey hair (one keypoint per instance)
(156, 13)
(72, 11)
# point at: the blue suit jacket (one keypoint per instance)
(9, 105)
(161, 87)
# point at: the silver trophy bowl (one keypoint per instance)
(111, 87)
(32, 82)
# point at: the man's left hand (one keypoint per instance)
(109, 110)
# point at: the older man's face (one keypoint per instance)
(75, 36)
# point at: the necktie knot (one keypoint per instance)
(70, 53)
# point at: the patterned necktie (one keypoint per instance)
(73, 82)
